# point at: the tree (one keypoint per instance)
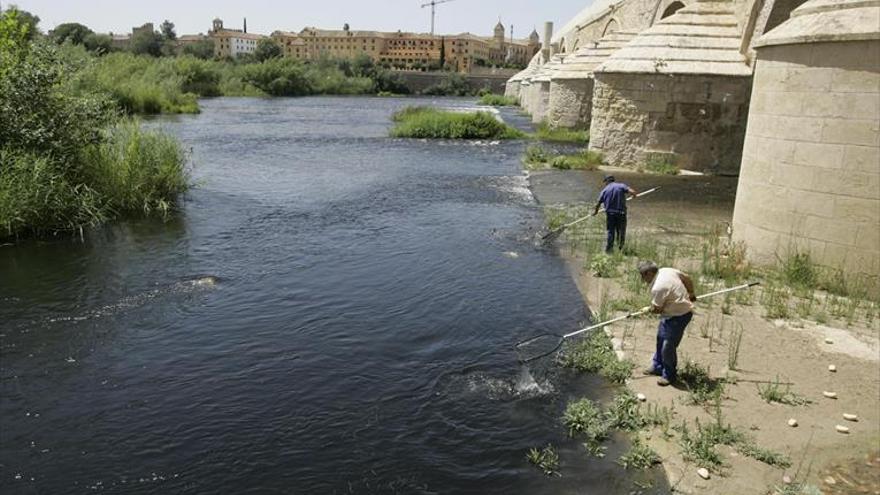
(442, 53)
(146, 43)
(98, 43)
(266, 49)
(167, 29)
(25, 20)
(72, 32)
(203, 49)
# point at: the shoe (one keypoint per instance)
(650, 372)
(663, 382)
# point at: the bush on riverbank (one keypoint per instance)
(68, 160)
(432, 123)
(547, 133)
(498, 100)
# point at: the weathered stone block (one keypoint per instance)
(859, 132)
(821, 155)
(858, 81)
(865, 159)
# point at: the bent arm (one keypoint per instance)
(688, 284)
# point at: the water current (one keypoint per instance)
(332, 311)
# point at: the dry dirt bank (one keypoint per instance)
(794, 348)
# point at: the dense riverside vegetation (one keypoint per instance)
(432, 123)
(68, 159)
(150, 85)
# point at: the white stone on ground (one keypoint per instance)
(850, 417)
(841, 429)
(704, 473)
(830, 395)
(792, 422)
(641, 397)
(832, 368)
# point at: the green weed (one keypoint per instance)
(640, 456)
(594, 354)
(603, 266)
(733, 346)
(546, 459)
(782, 394)
(702, 389)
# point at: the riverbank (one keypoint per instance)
(742, 350)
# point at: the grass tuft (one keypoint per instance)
(594, 354)
(662, 163)
(546, 133)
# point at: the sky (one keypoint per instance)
(264, 16)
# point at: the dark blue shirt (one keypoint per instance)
(613, 197)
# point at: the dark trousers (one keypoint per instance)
(669, 334)
(616, 224)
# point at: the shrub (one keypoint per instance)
(430, 123)
(603, 266)
(536, 155)
(68, 162)
(595, 354)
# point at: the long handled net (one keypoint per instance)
(543, 345)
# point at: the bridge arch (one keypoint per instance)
(671, 9)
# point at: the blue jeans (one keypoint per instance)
(616, 225)
(669, 334)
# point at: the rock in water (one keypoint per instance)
(850, 417)
(704, 473)
(841, 429)
(792, 422)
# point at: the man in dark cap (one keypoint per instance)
(613, 198)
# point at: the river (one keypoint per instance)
(332, 311)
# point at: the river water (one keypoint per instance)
(333, 311)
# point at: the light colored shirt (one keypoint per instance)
(669, 293)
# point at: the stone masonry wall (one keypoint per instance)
(810, 178)
(700, 119)
(571, 103)
(541, 101)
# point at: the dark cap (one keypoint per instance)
(608, 178)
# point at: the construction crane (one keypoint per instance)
(433, 4)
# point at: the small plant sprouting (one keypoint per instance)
(702, 389)
(546, 459)
(603, 266)
(777, 392)
(640, 456)
(733, 346)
